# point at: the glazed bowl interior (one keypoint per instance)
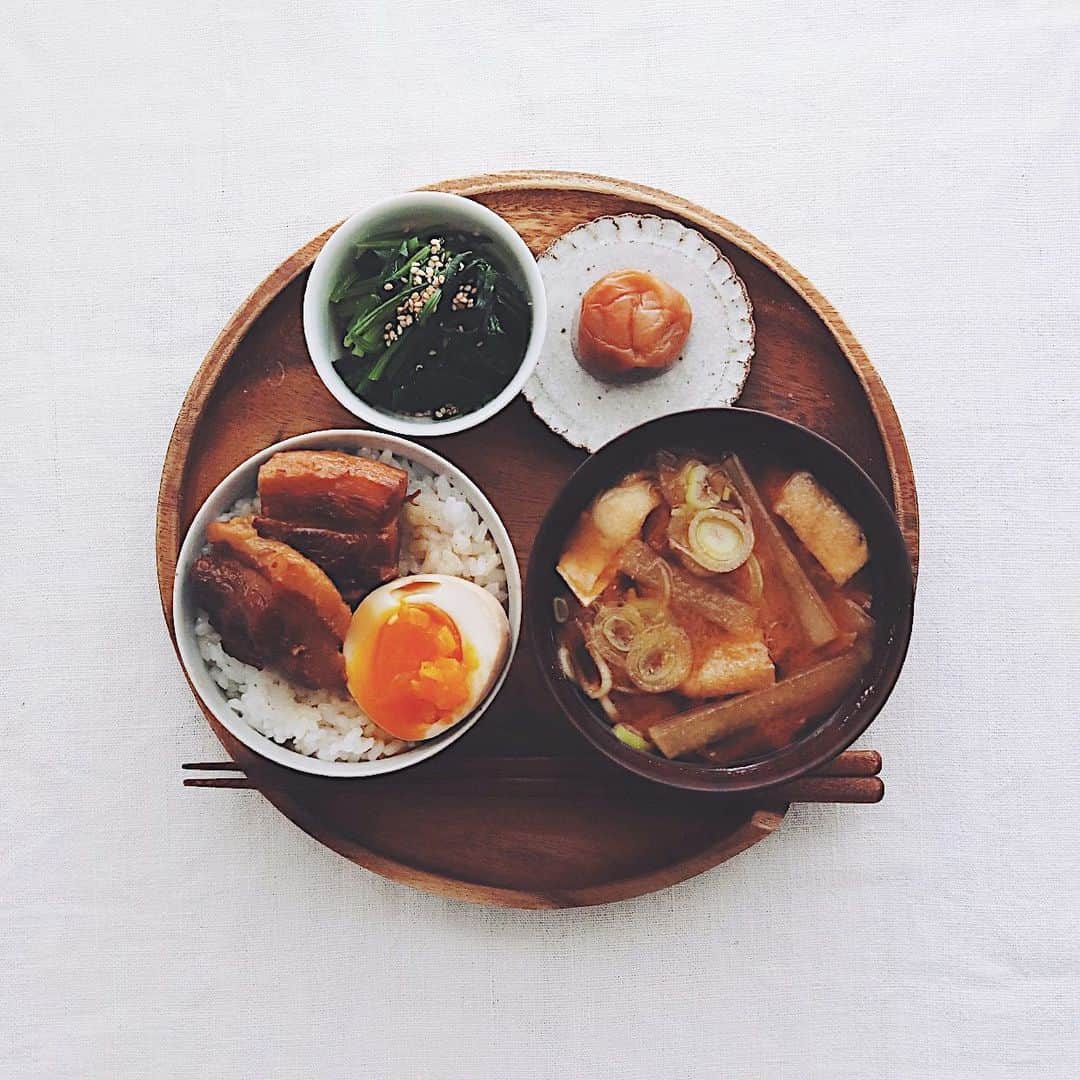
(753, 435)
(241, 483)
(409, 213)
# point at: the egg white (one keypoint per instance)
(480, 619)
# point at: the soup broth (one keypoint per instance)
(719, 607)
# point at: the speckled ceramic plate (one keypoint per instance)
(713, 366)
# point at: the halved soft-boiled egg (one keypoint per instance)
(422, 652)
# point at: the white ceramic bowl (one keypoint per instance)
(417, 210)
(241, 482)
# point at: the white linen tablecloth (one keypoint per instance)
(917, 160)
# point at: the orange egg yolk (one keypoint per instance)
(418, 671)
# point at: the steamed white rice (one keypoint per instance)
(441, 533)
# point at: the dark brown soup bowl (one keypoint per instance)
(756, 436)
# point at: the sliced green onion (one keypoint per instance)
(661, 659)
(756, 583)
(629, 737)
(602, 687)
(700, 494)
(618, 625)
(566, 663)
(719, 540)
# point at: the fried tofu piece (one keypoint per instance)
(329, 489)
(589, 560)
(827, 530)
(729, 666)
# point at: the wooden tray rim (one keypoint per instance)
(762, 821)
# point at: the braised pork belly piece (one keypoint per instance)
(241, 604)
(267, 625)
(355, 562)
(339, 510)
(272, 605)
(286, 568)
(329, 489)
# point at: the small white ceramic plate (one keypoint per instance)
(408, 213)
(714, 365)
(241, 483)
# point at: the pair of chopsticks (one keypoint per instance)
(851, 777)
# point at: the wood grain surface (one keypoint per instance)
(541, 848)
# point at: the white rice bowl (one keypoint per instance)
(441, 533)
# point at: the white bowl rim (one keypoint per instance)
(241, 480)
(316, 308)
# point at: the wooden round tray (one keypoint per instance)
(526, 845)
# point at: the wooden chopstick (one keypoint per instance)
(238, 782)
(851, 777)
(851, 763)
(830, 789)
